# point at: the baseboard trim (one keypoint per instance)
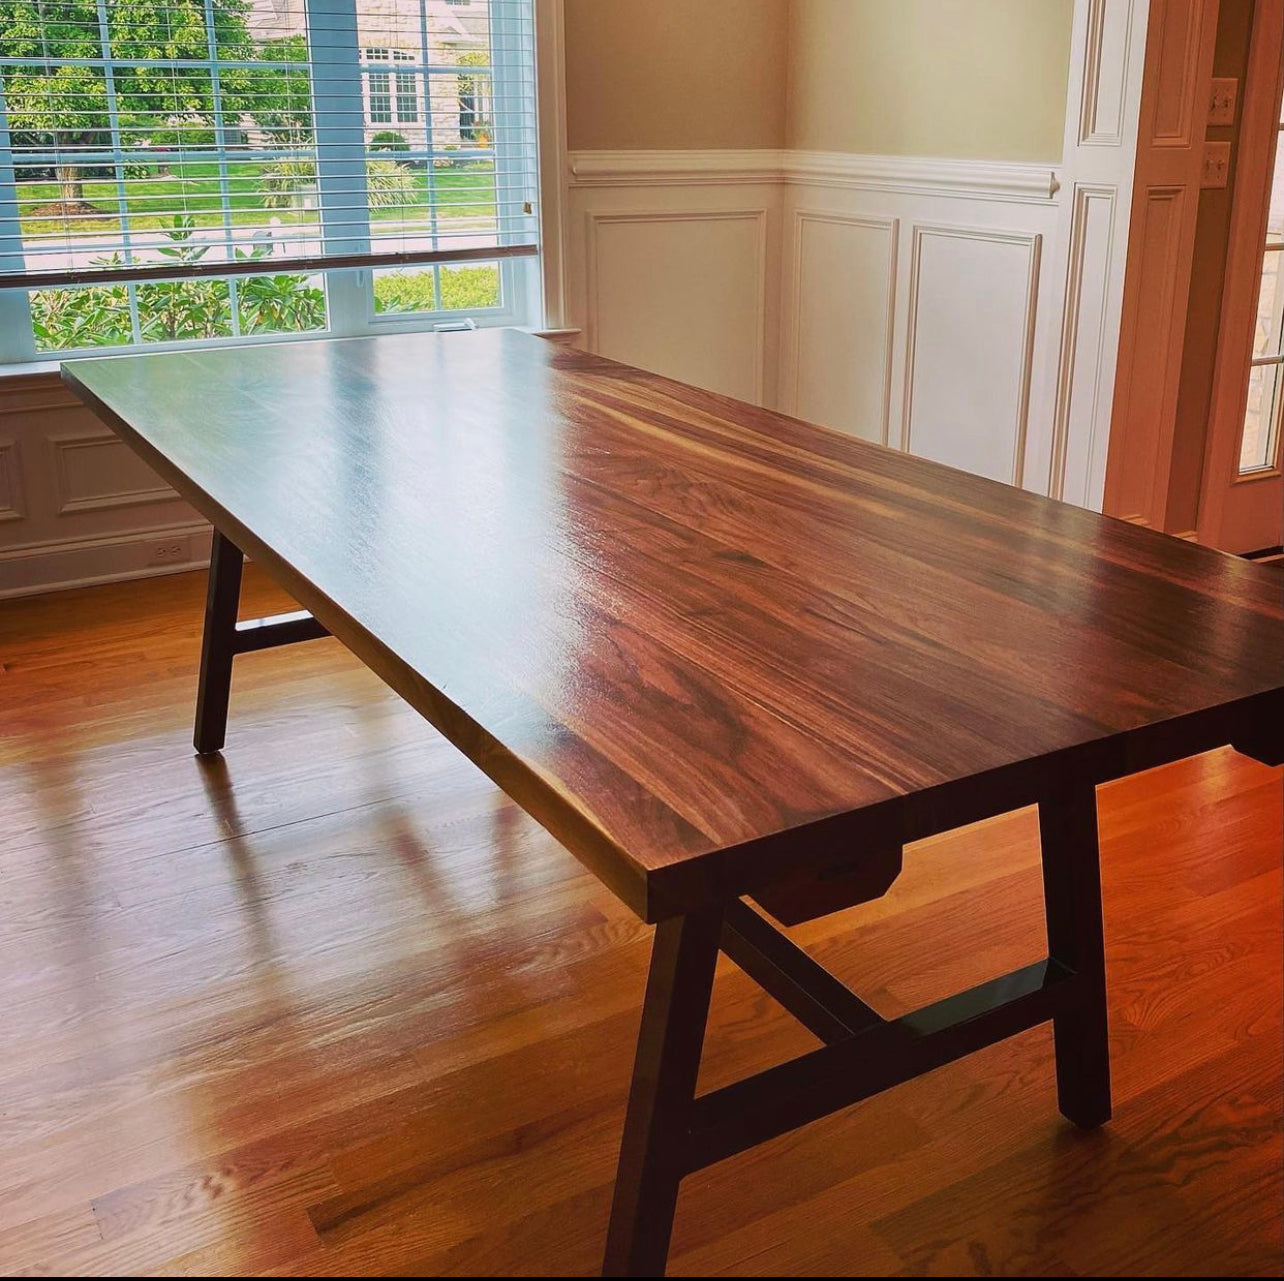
(35, 568)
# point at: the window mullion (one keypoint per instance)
(221, 145)
(113, 126)
(513, 139)
(338, 113)
(430, 145)
(17, 341)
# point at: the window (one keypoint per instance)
(193, 171)
(1260, 443)
(378, 89)
(385, 106)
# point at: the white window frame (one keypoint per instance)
(382, 62)
(527, 289)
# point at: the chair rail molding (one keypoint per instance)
(978, 179)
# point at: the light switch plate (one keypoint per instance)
(1217, 156)
(1221, 101)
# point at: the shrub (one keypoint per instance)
(94, 316)
(182, 136)
(283, 304)
(284, 181)
(388, 140)
(469, 288)
(387, 183)
(170, 310)
(462, 289)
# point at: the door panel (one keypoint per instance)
(1170, 155)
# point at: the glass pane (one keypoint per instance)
(289, 303)
(470, 288)
(69, 319)
(411, 290)
(1275, 220)
(183, 310)
(1261, 419)
(1270, 307)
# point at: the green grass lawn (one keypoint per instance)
(193, 188)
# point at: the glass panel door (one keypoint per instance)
(1260, 442)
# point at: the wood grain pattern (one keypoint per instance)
(335, 1006)
(707, 646)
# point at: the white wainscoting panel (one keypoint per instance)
(969, 348)
(843, 296)
(1085, 387)
(922, 304)
(11, 505)
(97, 470)
(1087, 255)
(76, 505)
(682, 293)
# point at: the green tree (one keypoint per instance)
(67, 105)
(280, 99)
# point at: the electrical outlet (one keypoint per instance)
(1217, 156)
(1221, 101)
(171, 551)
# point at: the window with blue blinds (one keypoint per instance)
(176, 171)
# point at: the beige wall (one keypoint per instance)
(670, 74)
(972, 79)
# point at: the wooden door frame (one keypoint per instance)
(1250, 208)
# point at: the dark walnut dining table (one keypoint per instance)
(732, 661)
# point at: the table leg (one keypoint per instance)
(1072, 902)
(218, 647)
(654, 1153)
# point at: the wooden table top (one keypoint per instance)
(705, 644)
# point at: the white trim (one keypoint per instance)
(892, 226)
(1107, 65)
(550, 95)
(1033, 244)
(1091, 328)
(11, 475)
(64, 443)
(58, 564)
(1101, 58)
(977, 179)
(673, 168)
(595, 219)
(922, 175)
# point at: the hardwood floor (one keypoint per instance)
(331, 1005)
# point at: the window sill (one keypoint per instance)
(34, 372)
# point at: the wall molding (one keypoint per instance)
(926, 176)
(70, 504)
(30, 568)
(673, 168)
(12, 506)
(1033, 245)
(1083, 352)
(596, 219)
(917, 175)
(1104, 96)
(892, 226)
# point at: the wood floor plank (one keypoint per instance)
(338, 1008)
